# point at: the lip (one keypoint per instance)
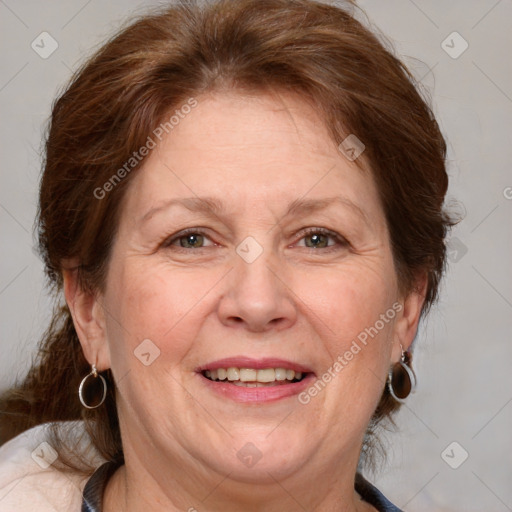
(257, 395)
(257, 364)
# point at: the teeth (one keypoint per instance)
(247, 375)
(253, 384)
(250, 377)
(280, 374)
(233, 374)
(268, 375)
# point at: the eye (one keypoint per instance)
(316, 240)
(191, 241)
(188, 239)
(319, 238)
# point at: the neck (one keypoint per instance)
(134, 487)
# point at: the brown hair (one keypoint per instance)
(116, 100)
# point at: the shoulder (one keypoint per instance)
(29, 472)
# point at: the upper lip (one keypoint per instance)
(257, 364)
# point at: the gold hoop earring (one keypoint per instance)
(86, 389)
(401, 378)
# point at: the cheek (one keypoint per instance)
(348, 301)
(154, 302)
(354, 317)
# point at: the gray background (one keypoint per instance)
(463, 351)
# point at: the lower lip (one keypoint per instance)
(263, 394)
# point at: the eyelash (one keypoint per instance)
(168, 241)
(340, 240)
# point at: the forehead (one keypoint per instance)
(246, 149)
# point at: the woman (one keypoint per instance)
(242, 205)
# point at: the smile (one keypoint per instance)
(249, 380)
(252, 377)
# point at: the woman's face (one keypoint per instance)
(248, 242)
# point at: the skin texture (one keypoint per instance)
(255, 155)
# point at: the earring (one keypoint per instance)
(401, 378)
(91, 393)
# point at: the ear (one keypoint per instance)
(89, 320)
(407, 322)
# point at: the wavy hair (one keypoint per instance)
(125, 90)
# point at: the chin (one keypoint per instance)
(265, 456)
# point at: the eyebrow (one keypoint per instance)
(305, 206)
(194, 204)
(211, 205)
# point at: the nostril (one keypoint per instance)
(235, 320)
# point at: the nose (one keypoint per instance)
(257, 298)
